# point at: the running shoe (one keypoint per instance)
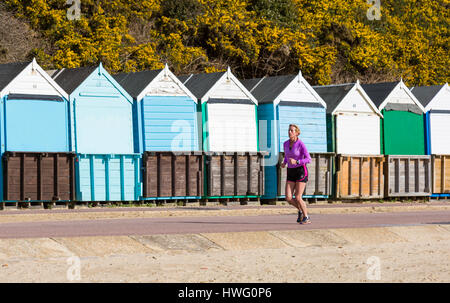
(305, 220)
(300, 216)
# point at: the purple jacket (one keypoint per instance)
(297, 152)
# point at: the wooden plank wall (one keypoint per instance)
(235, 174)
(168, 174)
(38, 176)
(319, 175)
(441, 173)
(408, 176)
(359, 177)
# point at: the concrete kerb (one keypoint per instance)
(142, 212)
(46, 248)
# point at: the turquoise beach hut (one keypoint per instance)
(102, 122)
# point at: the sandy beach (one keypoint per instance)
(382, 254)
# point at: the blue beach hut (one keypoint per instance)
(285, 100)
(34, 110)
(34, 118)
(166, 133)
(107, 169)
(165, 111)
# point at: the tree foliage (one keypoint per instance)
(330, 41)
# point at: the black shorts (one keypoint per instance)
(297, 174)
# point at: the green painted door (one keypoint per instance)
(403, 133)
(331, 144)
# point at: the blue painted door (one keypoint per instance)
(36, 125)
(108, 177)
(103, 125)
(312, 124)
(169, 123)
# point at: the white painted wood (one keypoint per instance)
(33, 80)
(440, 133)
(358, 134)
(355, 102)
(228, 87)
(401, 95)
(166, 84)
(299, 90)
(232, 127)
(441, 101)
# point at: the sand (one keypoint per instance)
(386, 254)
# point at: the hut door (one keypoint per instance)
(232, 127)
(439, 132)
(37, 125)
(358, 134)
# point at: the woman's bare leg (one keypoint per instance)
(290, 189)
(299, 189)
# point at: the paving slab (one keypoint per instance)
(177, 243)
(305, 238)
(422, 233)
(368, 236)
(103, 246)
(245, 240)
(37, 248)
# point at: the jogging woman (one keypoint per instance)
(296, 156)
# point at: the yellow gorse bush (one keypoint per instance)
(330, 41)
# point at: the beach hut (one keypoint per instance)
(34, 112)
(353, 133)
(353, 121)
(283, 100)
(229, 112)
(436, 101)
(165, 111)
(166, 132)
(233, 164)
(408, 169)
(107, 169)
(34, 134)
(402, 127)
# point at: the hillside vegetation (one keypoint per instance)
(330, 41)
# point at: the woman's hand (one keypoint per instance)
(293, 161)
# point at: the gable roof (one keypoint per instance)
(200, 84)
(9, 71)
(250, 84)
(378, 92)
(333, 94)
(134, 83)
(382, 91)
(70, 78)
(138, 83)
(426, 93)
(269, 88)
